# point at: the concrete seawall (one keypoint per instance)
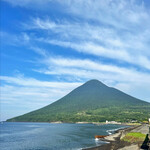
(117, 144)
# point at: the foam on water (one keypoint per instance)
(113, 130)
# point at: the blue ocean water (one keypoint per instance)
(50, 136)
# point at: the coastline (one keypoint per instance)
(110, 140)
(113, 139)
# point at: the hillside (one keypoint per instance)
(93, 101)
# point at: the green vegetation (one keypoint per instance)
(91, 102)
(133, 137)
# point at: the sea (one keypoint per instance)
(52, 136)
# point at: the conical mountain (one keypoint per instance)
(93, 101)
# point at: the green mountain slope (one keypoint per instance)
(93, 101)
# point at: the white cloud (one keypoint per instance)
(61, 65)
(139, 89)
(121, 45)
(98, 50)
(20, 80)
(47, 24)
(30, 93)
(118, 13)
(121, 77)
(117, 30)
(29, 3)
(84, 64)
(39, 51)
(121, 31)
(13, 39)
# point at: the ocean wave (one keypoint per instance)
(113, 130)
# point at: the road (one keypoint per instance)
(143, 129)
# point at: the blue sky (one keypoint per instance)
(50, 47)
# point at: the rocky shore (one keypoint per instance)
(115, 142)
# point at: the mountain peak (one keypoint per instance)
(94, 82)
(92, 101)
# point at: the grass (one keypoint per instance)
(134, 137)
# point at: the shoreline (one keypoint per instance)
(112, 139)
(61, 122)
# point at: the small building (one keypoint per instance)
(133, 121)
(107, 121)
(112, 122)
